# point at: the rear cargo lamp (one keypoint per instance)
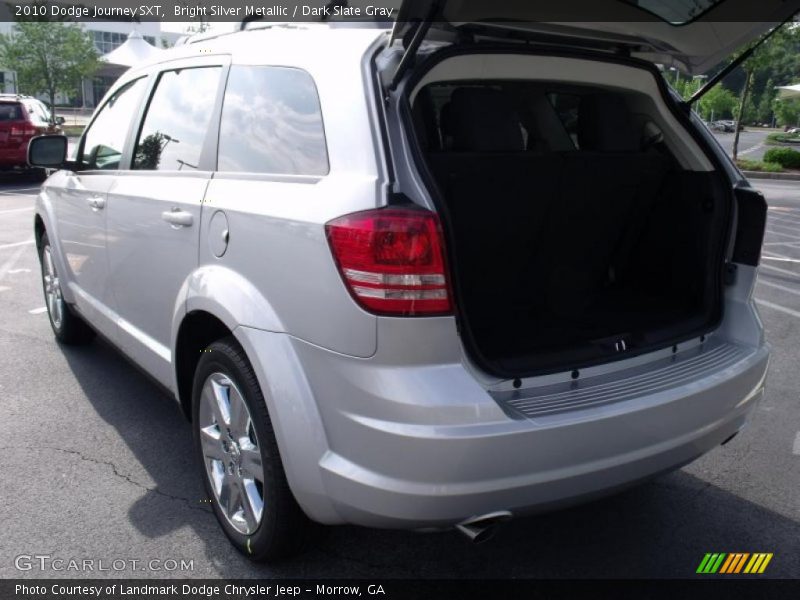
(392, 261)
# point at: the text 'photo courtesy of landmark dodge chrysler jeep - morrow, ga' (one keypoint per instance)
(434, 275)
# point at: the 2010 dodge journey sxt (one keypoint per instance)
(439, 276)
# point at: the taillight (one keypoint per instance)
(23, 130)
(392, 261)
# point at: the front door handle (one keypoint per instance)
(97, 203)
(177, 217)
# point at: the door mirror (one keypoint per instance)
(60, 120)
(49, 151)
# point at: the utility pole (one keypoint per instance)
(738, 122)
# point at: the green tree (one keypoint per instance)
(763, 110)
(48, 57)
(787, 111)
(777, 54)
(718, 103)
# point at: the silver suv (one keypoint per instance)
(423, 278)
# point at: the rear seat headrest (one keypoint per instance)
(483, 120)
(605, 124)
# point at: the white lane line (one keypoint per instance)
(15, 271)
(785, 218)
(4, 288)
(779, 308)
(752, 149)
(784, 271)
(13, 210)
(771, 255)
(38, 311)
(790, 244)
(15, 244)
(17, 192)
(10, 262)
(782, 259)
(793, 237)
(778, 286)
(790, 229)
(796, 446)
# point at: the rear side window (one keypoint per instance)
(104, 140)
(272, 123)
(176, 123)
(10, 112)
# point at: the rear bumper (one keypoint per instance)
(426, 447)
(14, 157)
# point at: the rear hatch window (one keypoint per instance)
(11, 114)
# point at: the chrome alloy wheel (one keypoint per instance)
(231, 453)
(52, 289)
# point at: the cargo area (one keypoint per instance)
(575, 234)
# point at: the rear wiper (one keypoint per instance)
(734, 63)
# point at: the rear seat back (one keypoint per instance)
(542, 231)
(498, 193)
(609, 187)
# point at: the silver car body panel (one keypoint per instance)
(380, 421)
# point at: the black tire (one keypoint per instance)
(70, 329)
(38, 175)
(284, 529)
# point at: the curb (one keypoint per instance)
(764, 175)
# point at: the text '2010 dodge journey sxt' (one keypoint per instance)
(436, 276)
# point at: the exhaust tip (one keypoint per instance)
(482, 528)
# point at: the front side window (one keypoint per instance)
(177, 120)
(103, 142)
(272, 123)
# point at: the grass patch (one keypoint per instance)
(757, 165)
(783, 138)
(72, 130)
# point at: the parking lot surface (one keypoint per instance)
(96, 463)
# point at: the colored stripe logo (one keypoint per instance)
(734, 563)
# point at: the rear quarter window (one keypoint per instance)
(10, 112)
(272, 123)
(37, 112)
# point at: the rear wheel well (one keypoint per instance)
(38, 230)
(197, 331)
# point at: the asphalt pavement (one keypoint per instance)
(752, 142)
(96, 463)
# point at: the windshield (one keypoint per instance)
(675, 12)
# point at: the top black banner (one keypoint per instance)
(674, 12)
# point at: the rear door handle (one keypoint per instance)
(177, 217)
(97, 203)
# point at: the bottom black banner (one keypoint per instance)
(396, 589)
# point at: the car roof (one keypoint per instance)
(296, 45)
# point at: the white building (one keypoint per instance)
(107, 35)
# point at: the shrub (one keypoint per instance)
(786, 157)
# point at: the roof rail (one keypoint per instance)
(327, 11)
